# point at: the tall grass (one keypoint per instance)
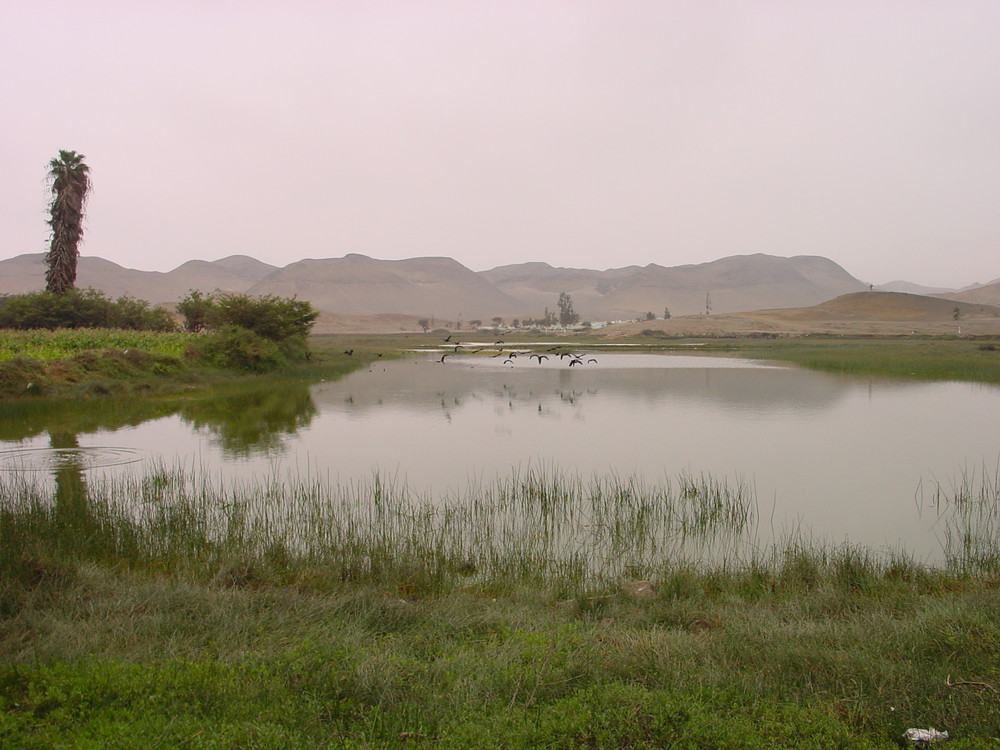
(968, 510)
(539, 526)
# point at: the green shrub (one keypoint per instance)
(87, 308)
(236, 348)
(273, 318)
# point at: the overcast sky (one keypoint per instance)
(586, 133)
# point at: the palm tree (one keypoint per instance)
(70, 183)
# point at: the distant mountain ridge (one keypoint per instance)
(444, 289)
(732, 284)
(358, 285)
(236, 273)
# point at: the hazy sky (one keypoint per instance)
(587, 133)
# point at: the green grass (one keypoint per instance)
(83, 363)
(45, 345)
(162, 609)
(899, 357)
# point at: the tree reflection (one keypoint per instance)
(242, 423)
(72, 513)
(252, 422)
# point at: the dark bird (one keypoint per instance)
(540, 357)
(592, 360)
(449, 338)
(508, 361)
(349, 352)
(575, 362)
(442, 358)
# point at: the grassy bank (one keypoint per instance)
(162, 610)
(77, 363)
(925, 358)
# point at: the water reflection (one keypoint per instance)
(246, 422)
(257, 422)
(652, 380)
(831, 457)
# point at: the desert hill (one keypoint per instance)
(26, 273)
(911, 288)
(895, 306)
(358, 287)
(988, 294)
(861, 313)
(739, 282)
(441, 288)
(537, 286)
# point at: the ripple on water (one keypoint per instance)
(47, 459)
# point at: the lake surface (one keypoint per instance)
(832, 457)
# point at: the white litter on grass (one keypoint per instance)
(924, 735)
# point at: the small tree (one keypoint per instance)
(497, 321)
(567, 316)
(70, 184)
(195, 309)
(666, 313)
(475, 323)
(650, 315)
(425, 324)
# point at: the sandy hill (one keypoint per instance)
(864, 313)
(439, 288)
(893, 306)
(359, 287)
(537, 286)
(911, 288)
(739, 282)
(26, 273)
(988, 294)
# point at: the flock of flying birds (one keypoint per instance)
(499, 346)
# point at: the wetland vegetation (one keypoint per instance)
(171, 610)
(167, 607)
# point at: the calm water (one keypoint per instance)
(835, 457)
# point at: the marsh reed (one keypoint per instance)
(535, 525)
